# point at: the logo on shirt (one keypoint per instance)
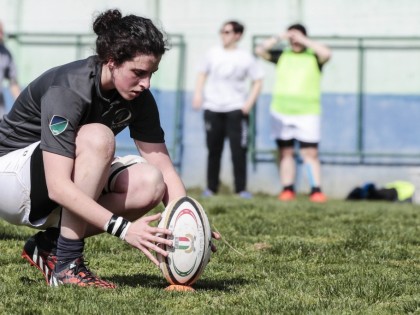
(121, 116)
(58, 124)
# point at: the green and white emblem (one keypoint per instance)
(58, 124)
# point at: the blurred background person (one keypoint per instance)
(295, 107)
(222, 92)
(8, 72)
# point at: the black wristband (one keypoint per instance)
(117, 226)
(110, 225)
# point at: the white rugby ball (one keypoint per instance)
(191, 235)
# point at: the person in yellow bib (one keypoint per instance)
(295, 107)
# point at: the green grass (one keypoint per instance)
(288, 258)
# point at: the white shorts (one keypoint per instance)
(15, 183)
(119, 165)
(305, 128)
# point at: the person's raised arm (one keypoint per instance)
(263, 49)
(322, 51)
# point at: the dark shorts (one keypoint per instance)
(292, 142)
(41, 204)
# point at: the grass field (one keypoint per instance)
(295, 258)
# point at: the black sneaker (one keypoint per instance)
(78, 274)
(42, 259)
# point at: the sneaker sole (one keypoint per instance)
(55, 283)
(40, 267)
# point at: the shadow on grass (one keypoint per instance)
(29, 281)
(152, 281)
(220, 284)
(13, 237)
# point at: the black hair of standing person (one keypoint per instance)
(237, 27)
(298, 27)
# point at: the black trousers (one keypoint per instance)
(219, 126)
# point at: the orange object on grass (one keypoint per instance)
(318, 197)
(286, 195)
(177, 287)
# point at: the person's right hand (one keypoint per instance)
(297, 37)
(197, 101)
(284, 36)
(145, 237)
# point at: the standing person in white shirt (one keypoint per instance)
(222, 92)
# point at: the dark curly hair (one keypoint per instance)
(298, 27)
(122, 38)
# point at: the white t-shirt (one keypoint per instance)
(228, 71)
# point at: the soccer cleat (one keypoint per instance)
(207, 193)
(78, 274)
(245, 195)
(286, 195)
(318, 197)
(40, 258)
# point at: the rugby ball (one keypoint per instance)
(191, 235)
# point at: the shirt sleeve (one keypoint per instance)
(147, 126)
(256, 71)
(275, 55)
(61, 112)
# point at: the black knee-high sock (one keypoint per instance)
(67, 251)
(289, 187)
(315, 189)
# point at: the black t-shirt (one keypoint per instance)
(53, 107)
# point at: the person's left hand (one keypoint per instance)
(216, 236)
(297, 37)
